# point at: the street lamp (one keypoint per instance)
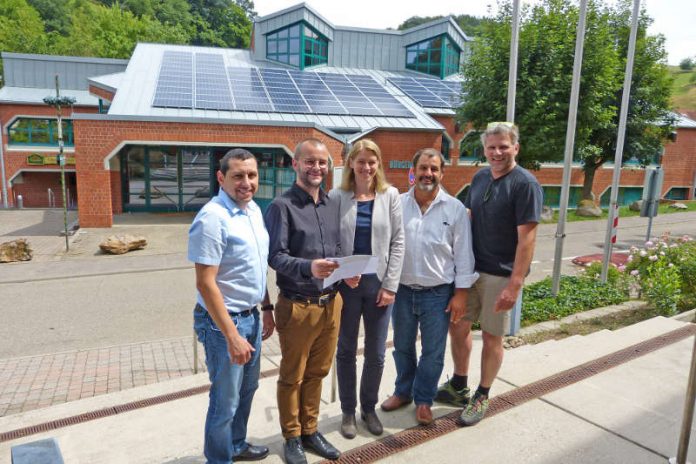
(58, 102)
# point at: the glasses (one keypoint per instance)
(310, 163)
(493, 125)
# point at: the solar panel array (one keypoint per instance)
(175, 82)
(430, 93)
(202, 81)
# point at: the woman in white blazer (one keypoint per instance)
(371, 224)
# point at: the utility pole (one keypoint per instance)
(58, 102)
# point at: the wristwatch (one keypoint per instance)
(268, 307)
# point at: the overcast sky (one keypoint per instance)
(676, 19)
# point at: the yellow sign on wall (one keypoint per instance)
(36, 159)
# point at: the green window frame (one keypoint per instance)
(437, 56)
(298, 45)
(39, 132)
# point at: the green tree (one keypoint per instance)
(687, 64)
(21, 28)
(546, 54)
(110, 32)
(221, 23)
(54, 13)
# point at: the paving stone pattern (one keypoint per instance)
(39, 381)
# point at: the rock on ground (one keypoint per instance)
(587, 208)
(15, 250)
(118, 245)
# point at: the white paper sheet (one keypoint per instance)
(351, 266)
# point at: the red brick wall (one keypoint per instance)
(116, 201)
(17, 160)
(679, 161)
(96, 139)
(101, 93)
(456, 135)
(35, 185)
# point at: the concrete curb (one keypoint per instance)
(582, 316)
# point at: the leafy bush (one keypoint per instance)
(664, 271)
(576, 294)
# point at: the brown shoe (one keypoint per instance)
(395, 402)
(424, 415)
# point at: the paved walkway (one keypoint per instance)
(38, 381)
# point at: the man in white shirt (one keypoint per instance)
(438, 270)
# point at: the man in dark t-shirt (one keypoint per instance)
(505, 204)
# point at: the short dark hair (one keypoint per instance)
(430, 153)
(237, 154)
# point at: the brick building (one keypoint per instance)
(146, 134)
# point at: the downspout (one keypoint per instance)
(2, 171)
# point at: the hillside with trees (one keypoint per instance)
(112, 28)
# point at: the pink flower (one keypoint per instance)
(649, 243)
(630, 258)
(622, 268)
(652, 257)
(643, 253)
(635, 273)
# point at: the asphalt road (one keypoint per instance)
(99, 310)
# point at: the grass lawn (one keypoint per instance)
(623, 212)
(683, 88)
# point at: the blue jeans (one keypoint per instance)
(424, 309)
(360, 303)
(232, 386)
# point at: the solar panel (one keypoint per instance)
(283, 92)
(352, 99)
(431, 93)
(212, 87)
(379, 96)
(175, 81)
(248, 91)
(316, 93)
(202, 81)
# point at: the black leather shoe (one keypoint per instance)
(317, 443)
(294, 452)
(252, 453)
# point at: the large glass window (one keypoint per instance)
(298, 45)
(438, 56)
(33, 131)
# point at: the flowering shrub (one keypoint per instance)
(664, 272)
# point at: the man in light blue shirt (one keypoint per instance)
(228, 243)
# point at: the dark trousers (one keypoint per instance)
(357, 303)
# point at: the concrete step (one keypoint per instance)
(542, 360)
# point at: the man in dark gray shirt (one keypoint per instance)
(505, 202)
(303, 225)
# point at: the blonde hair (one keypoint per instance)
(380, 183)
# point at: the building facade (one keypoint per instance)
(146, 134)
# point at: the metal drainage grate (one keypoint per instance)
(414, 436)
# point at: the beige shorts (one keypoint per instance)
(481, 302)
